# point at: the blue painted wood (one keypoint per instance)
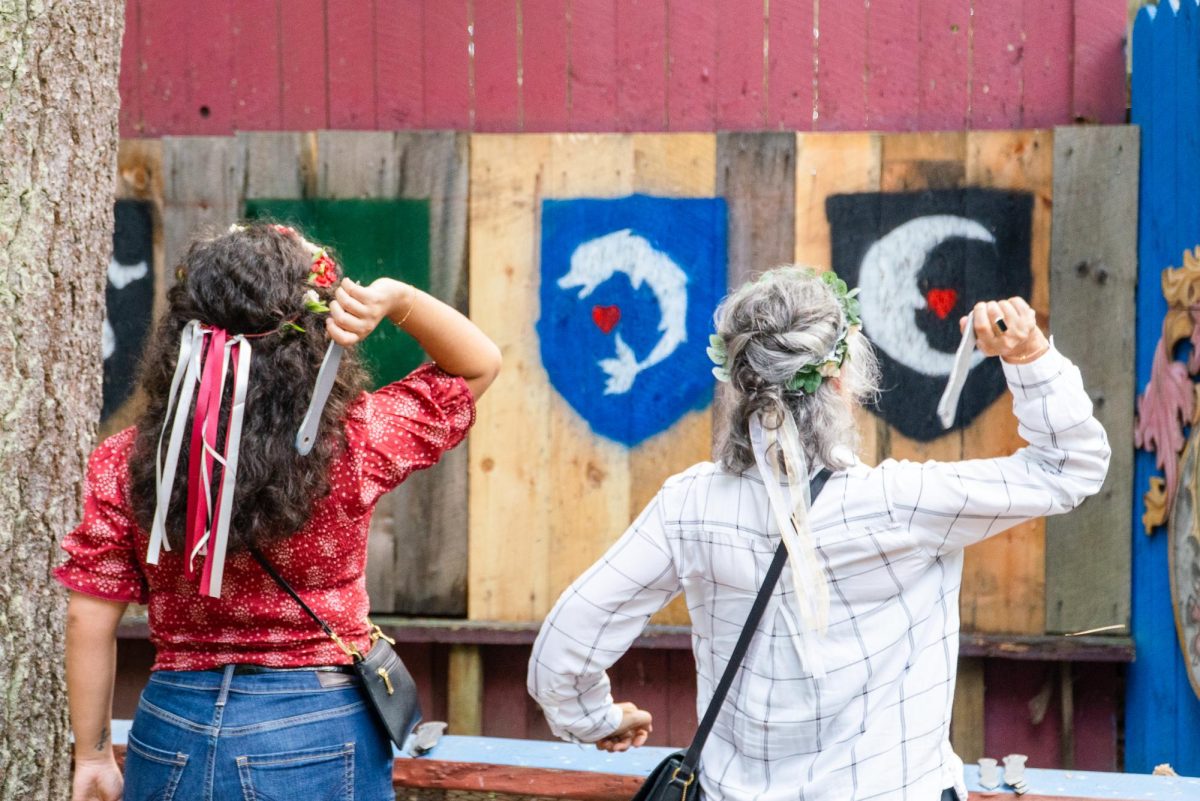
(1162, 712)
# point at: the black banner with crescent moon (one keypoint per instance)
(922, 260)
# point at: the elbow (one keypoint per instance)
(490, 362)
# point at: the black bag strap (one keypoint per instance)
(350, 650)
(692, 758)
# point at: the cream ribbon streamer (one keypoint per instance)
(947, 407)
(187, 374)
(791, 516)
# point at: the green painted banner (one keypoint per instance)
(370, 239)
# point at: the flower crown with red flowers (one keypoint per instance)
(322, 272)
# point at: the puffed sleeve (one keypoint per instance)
(406, 426)
(101, 558)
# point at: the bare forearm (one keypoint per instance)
(455, 343)
(91, 666)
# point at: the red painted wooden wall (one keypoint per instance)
(216, 66)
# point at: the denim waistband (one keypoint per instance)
(230, 679)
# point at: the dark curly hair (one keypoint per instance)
(251, 280)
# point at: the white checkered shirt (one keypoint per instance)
(891, 538)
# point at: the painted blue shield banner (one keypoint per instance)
(628, 290)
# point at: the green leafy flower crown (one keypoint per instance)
(808, 378)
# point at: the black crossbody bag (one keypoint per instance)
(386, 683)
(673, 778)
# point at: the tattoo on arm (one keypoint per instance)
(103, 741)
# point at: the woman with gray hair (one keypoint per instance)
(846, 689)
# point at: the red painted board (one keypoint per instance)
(841, 67)
(400, 64)
(427, 662)
(691, 70)
(497, 95)
(893, 82)
(447, 65)
(544, 65)
(210, 65)
(943, 65)
(473, 777)
(996, 66)
(352, 53)
(1100, 31)
(129, 80)
(641, 65)
(791, 69)
(1046, 100)
(304, 97)
(740, 85)
(257, 78)
(592, 45)
(506, 703)
(166, 105)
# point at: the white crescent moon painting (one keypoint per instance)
(890, 295)
(921, 260)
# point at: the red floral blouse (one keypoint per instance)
(400, 428)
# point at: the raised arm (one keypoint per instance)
(593, 624)
(949, 505)
(454, 343)
(91, 667)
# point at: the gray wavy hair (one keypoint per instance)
(772, 328)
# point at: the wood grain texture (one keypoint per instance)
(130, 78)
(350, 61)
(202, 184)
(756, 174)
(544, 76)
(1004, 576)
(399, 63)
(497, 53)
(691, 72)
(304, 94)
(464, 697)
(1047, 77)
(1099, 63)
(996, 52)
(449, 100)
(740, 78)
(256, 69)
(1093, 265)
(592, 47)
(841, 67)
(642, 67)
(893, 66)
(509, 530)
(791, 67)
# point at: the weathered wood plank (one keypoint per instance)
(509, 532)
(756, 174)
(202, 184)
(829, 164)
(278, 165)
(464, 682)
(967, 716)
(1004, 576)
(418, 545)
(1093, 265)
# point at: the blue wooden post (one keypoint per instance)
(1162, 713)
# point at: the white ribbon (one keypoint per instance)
(183, 388)
(791, 516)
(947, 407)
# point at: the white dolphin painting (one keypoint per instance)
(597, 261)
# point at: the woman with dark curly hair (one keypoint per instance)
(249, 697)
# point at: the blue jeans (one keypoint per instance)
(279, 736)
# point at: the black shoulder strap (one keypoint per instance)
(692, 758)
(273, 573)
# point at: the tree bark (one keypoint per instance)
(58, 146)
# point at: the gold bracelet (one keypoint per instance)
(1027, 359)
(411, 304)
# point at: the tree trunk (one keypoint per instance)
(58, 146)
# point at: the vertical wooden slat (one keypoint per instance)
(1093, 265)
(691, 50)
(506, 173)
(592, 43)
(305, 99)
(683, 165)
(1047, 75)
(893, 76)
(448, 100)
(351, 64)
(967, 718)
(400, 63)
(1099, 62)
(756, 174)
(497, 95)
(841, 67)
(791, 70)
(829, 164)
(544, 65)
(166, 107)
(130, 78)
(202, 183)
(641, 65)
(1004, 577)
(464, 681)
(741, 101)
(943, 64)
(995, 67)
(257, 76)
(209, 76)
